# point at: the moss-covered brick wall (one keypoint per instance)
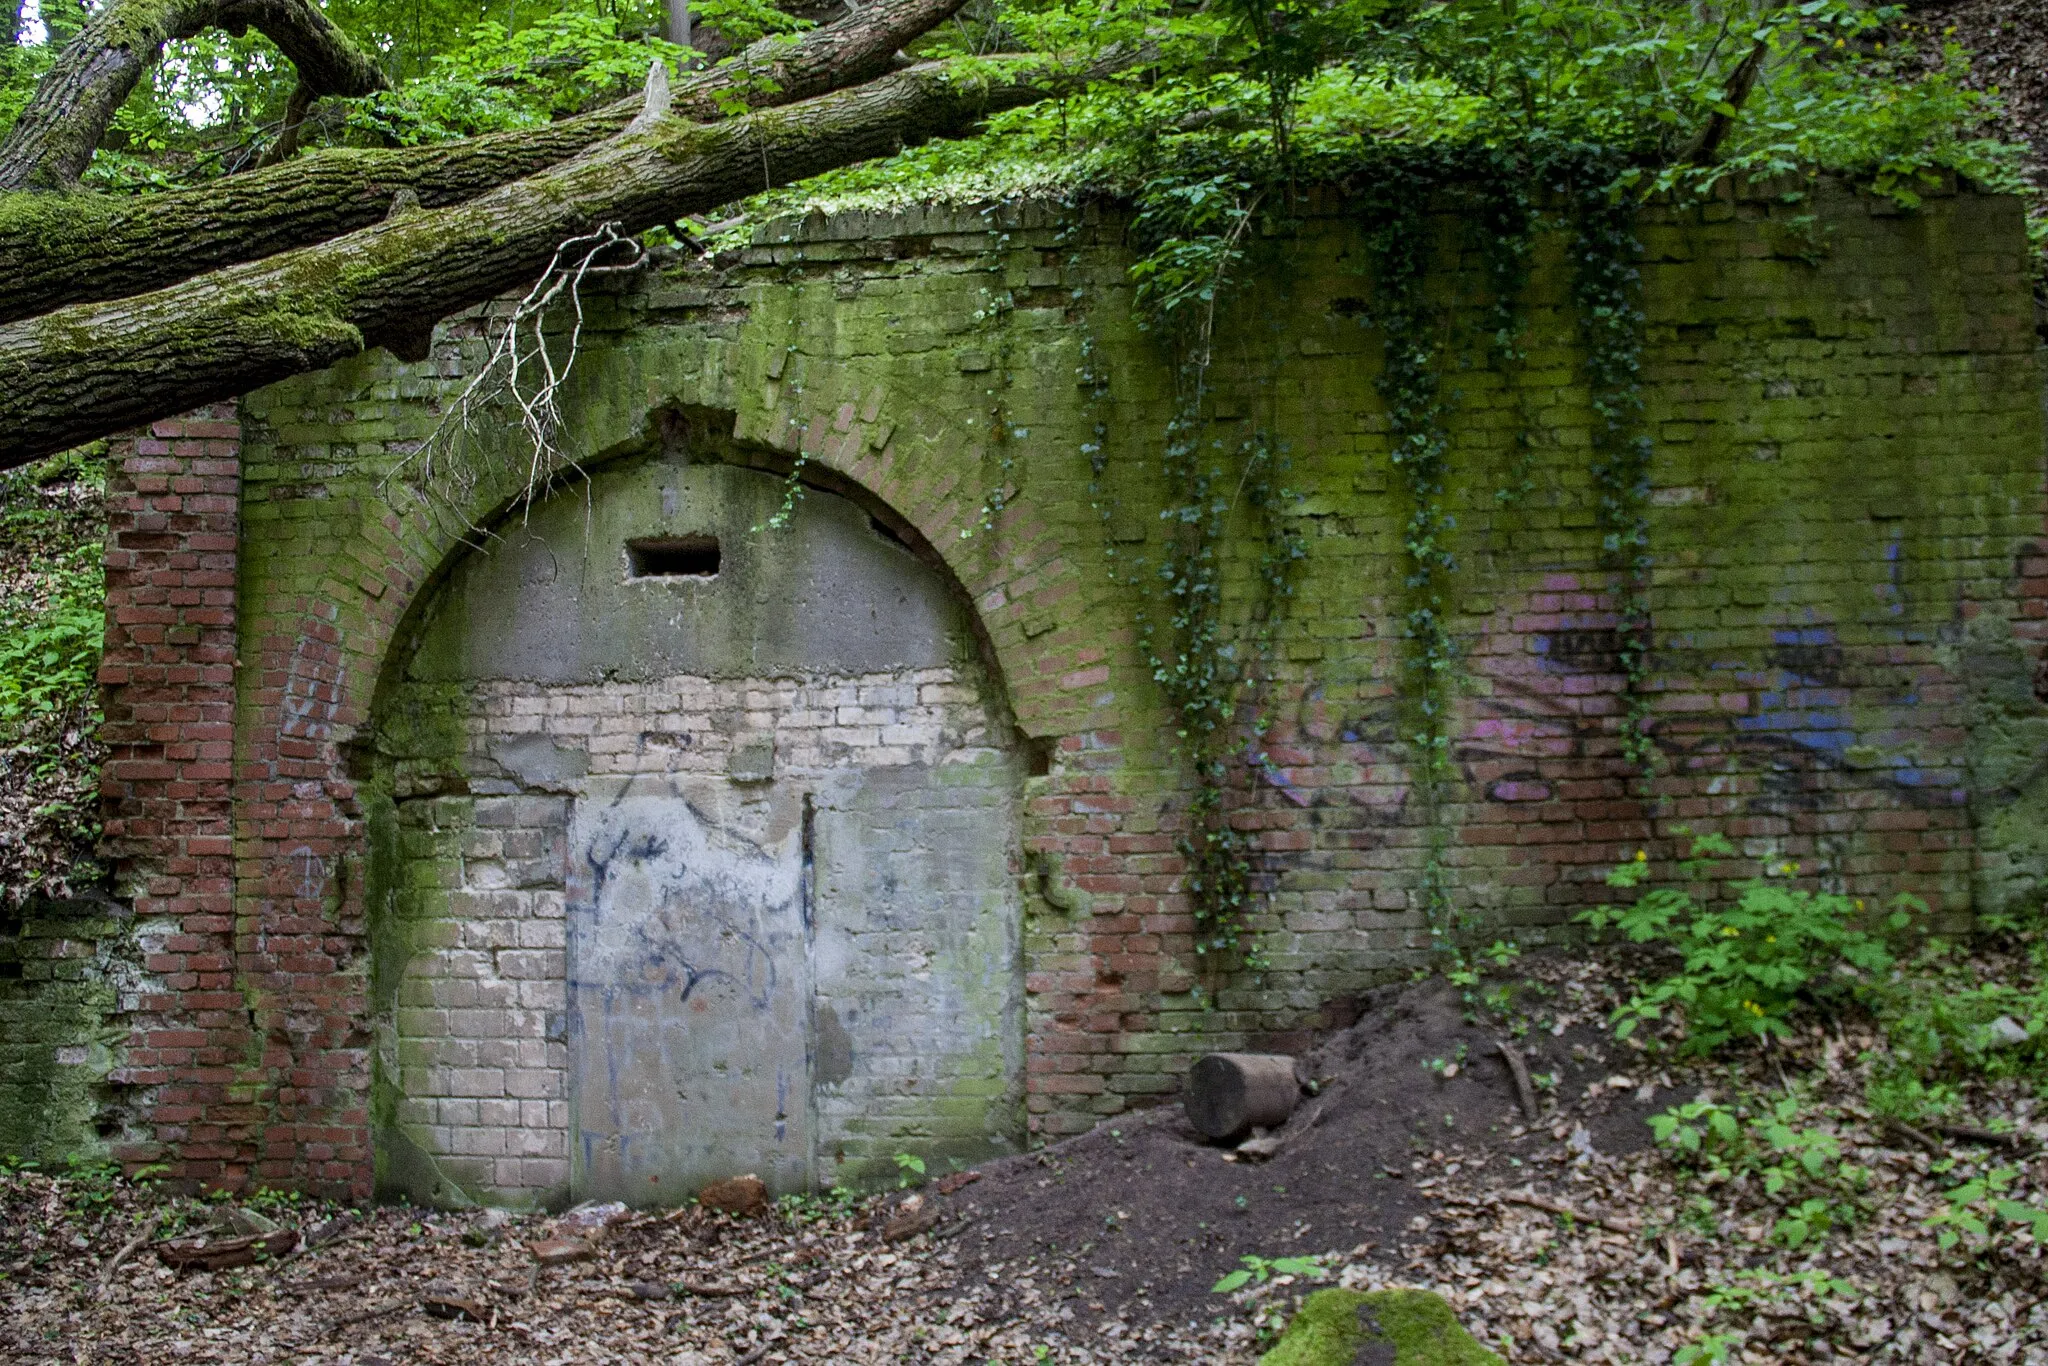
(62, 968)
(1849, 597)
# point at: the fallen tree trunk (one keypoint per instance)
(92, 369)
(69, 249)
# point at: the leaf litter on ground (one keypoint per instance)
(1552, 1241)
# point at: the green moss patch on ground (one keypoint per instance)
(1382, 1327)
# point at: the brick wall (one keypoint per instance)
(1846, 517)
(169, 674)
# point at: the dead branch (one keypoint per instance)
(128, 1249)
(1740, 83)
(1970, 1133)
(1914, 1136)
(1558, 1207)
(295, 110)
(522, 373)
(1525, 1090)
(89, 370)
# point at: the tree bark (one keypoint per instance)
(85, 371)
(68, 249)
(53, 140)
(1708, 147)
(295, 111)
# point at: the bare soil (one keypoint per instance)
(1156, 1215)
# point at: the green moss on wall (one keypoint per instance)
(59, 968)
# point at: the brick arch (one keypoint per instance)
(475, 881)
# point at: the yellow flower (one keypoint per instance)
(1729, 932)
(1642, 856)
(1753, 1008)
(1770, 939)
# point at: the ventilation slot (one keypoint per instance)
(672, 557)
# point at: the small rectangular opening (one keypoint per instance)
(672, 557)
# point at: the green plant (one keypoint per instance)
(1894, 1092)
(1974, 1206)
(1207, 655)
(1606, 281)
(52, 619)
(1796, 1165)
(1256, 1269)
(1747, 968)
(1447, 1067)
(909, 1169)
(50, 645)
(1712, 1349)
(1747, 1292)
(1942, 1019)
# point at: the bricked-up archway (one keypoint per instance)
(698, 852)
(1848, 475)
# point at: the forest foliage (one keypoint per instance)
(1316, 85)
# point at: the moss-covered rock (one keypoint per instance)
(1377, 1328)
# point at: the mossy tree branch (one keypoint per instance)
(69, 249)
(50, 145)
(92, 369)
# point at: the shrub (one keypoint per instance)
(1747, 968)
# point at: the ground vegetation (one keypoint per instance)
(52, 609)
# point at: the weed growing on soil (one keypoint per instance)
(1797, 1165)
(1258, 1270)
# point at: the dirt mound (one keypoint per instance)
(1143, 1215)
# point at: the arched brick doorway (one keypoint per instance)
(697, 852)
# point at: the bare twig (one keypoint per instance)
(1913, 1135)
(696, 1287)
(1740, 83)
(307, 1245)
(324, 1283)
(286, 145)
(128, 1249)
(1970, 1133)
(1549, 1206)
(523, 373)
(375, 1311)
(1525, 1091)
